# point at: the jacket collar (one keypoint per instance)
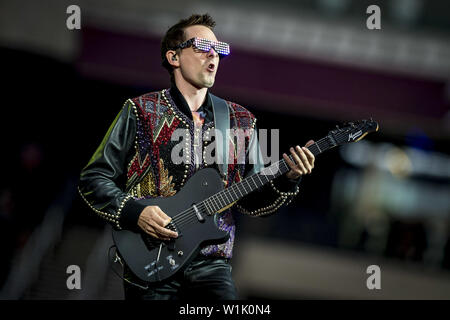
(183, 106)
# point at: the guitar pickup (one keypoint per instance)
(198, 214)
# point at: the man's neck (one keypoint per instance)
(193, 96)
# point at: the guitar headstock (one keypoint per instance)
(352, 131)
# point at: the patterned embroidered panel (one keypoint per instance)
(166, 186)
(241, 117)
(155, 125)
(225, 222)
(151, 173)
(136, 167)
(147, 188)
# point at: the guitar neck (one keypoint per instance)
(237, 191)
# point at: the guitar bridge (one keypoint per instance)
(173, 227)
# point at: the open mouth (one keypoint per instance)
(211, 67)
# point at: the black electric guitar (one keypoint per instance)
(194, 210)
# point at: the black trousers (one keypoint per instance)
(205, 278)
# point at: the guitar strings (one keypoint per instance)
(188, 216)
(234, 187)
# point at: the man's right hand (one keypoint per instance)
(153, 221)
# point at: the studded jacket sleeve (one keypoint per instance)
(269, 198)
(102, 180)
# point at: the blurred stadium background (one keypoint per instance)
(300, 66)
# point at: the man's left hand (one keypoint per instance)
(304, 161)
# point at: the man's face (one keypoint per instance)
(197, 67)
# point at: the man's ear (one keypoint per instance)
(172, 58)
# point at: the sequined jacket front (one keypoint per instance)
(134, 161)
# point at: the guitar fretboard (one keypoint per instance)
(239, 190)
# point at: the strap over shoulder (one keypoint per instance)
(222, 124)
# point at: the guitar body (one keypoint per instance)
(154, 260)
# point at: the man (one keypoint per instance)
(135, 161)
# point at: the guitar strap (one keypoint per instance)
(221, 124)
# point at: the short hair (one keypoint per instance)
(176, 35)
